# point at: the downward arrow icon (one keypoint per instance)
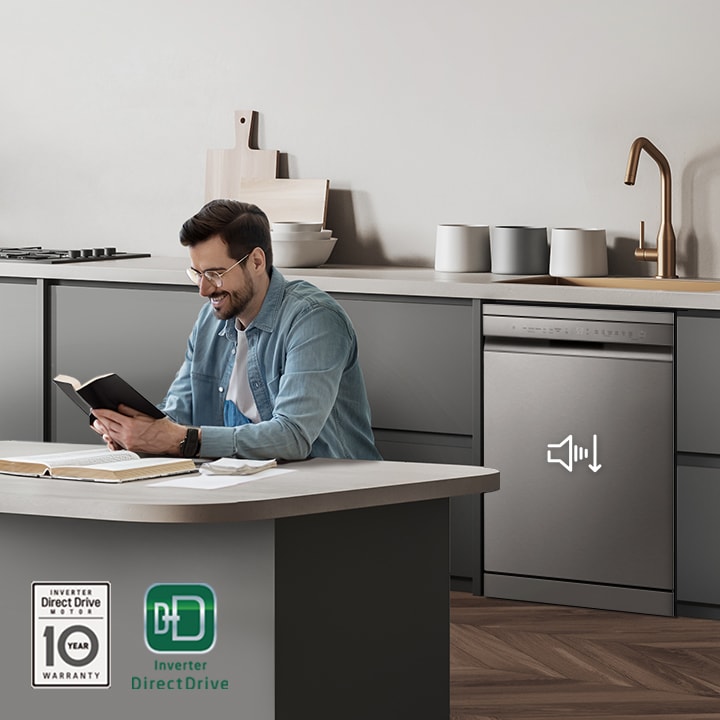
(594, 466)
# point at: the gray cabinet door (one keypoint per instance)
(420, 359)
(465, 511)
(138, 332)
(21, 411)
(698, 471)
(698, 384)
(417, 360)
(698, 533)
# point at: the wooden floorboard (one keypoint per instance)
(525, 661)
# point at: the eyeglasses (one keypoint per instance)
(212, 276)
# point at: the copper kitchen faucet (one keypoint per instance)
(664, 253)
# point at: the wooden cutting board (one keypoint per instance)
(225, 168)
(248, 174)
(286, 200)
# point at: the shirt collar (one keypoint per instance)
(266, 317)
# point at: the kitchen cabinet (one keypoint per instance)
(698, 500)
(698, 464)
(465, 511)
(420, 347)
(139, 333)
(417, 359)
(21, 363)
(420, 360)
(698, 382)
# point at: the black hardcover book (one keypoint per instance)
(105, 392)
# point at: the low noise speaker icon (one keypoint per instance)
(568, 453)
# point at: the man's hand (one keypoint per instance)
(135, 431)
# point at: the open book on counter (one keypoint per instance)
(101, 465)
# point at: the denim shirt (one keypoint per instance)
(303, 372)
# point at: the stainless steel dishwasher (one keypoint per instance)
(578, 418)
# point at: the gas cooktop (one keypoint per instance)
(44, 255)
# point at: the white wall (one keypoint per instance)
(482, 111)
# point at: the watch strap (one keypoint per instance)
(190, 446)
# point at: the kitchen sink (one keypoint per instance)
(628, 283)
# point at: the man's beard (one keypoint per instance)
(233, 302)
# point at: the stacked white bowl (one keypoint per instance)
(300, 244)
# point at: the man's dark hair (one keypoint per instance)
(242, 227)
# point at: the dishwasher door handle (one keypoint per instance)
(579, 349)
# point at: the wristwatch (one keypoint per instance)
(190, 446)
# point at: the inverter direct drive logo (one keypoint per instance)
(180, 618)
(71, 634)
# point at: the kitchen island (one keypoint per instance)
(328, 581)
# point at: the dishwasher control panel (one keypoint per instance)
(578, 325)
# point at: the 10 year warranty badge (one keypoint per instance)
(71, 634)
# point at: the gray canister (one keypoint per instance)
(519, 250)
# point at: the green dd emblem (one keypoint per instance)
(180, 618)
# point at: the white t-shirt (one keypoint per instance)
(239, 388)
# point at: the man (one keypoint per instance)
(271, 367)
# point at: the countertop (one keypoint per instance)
(385, 280)
(313, 486)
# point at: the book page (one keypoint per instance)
(74, 383)
(127, 470)
(76, 458)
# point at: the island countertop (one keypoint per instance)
(313, 486)
(372, 280)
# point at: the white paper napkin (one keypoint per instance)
(236, 466)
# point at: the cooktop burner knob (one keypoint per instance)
(110, 251)
(86, 252)
(98, 252)
(73, 253)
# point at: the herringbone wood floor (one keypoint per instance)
(524, 661)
